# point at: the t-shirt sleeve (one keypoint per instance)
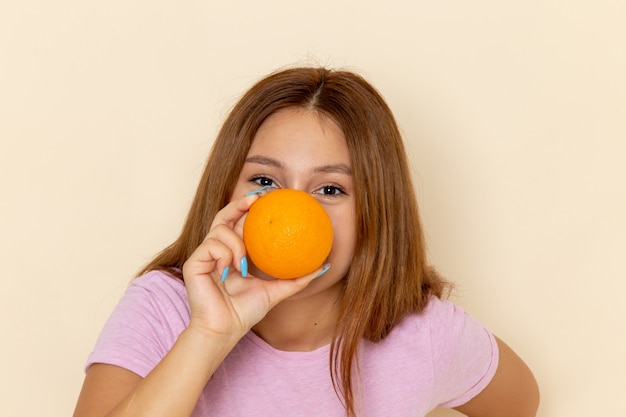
(144, 325)
(465, 354)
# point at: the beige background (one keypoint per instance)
(514, 113)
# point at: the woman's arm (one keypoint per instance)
(171, 389)
(513, 391)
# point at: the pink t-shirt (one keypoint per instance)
(440, 357)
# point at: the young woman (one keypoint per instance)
(201, 332)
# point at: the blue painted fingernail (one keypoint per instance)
(323, 271)
(225, 273)
(259, 191)
(244, 267)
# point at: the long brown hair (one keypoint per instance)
(389, 275)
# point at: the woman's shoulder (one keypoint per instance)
(445, 323)
(440, 309)
(145, 323)
(461, 350)
(156, 294)
(435, 312)
(158, 281)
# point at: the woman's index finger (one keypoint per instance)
(234, 211)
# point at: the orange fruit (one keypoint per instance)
(287, 233)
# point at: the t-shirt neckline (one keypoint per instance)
(262, 345)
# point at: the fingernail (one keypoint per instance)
(323, 271)
(259, 191)
(225, 273)
(244, 267)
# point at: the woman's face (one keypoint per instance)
(304, 150)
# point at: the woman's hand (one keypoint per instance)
(230, 307)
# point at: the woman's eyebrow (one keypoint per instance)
(264, 160)
(334, 169)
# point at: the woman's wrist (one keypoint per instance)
(206, 341)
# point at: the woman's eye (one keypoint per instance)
(330, 190)
(264, 181)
